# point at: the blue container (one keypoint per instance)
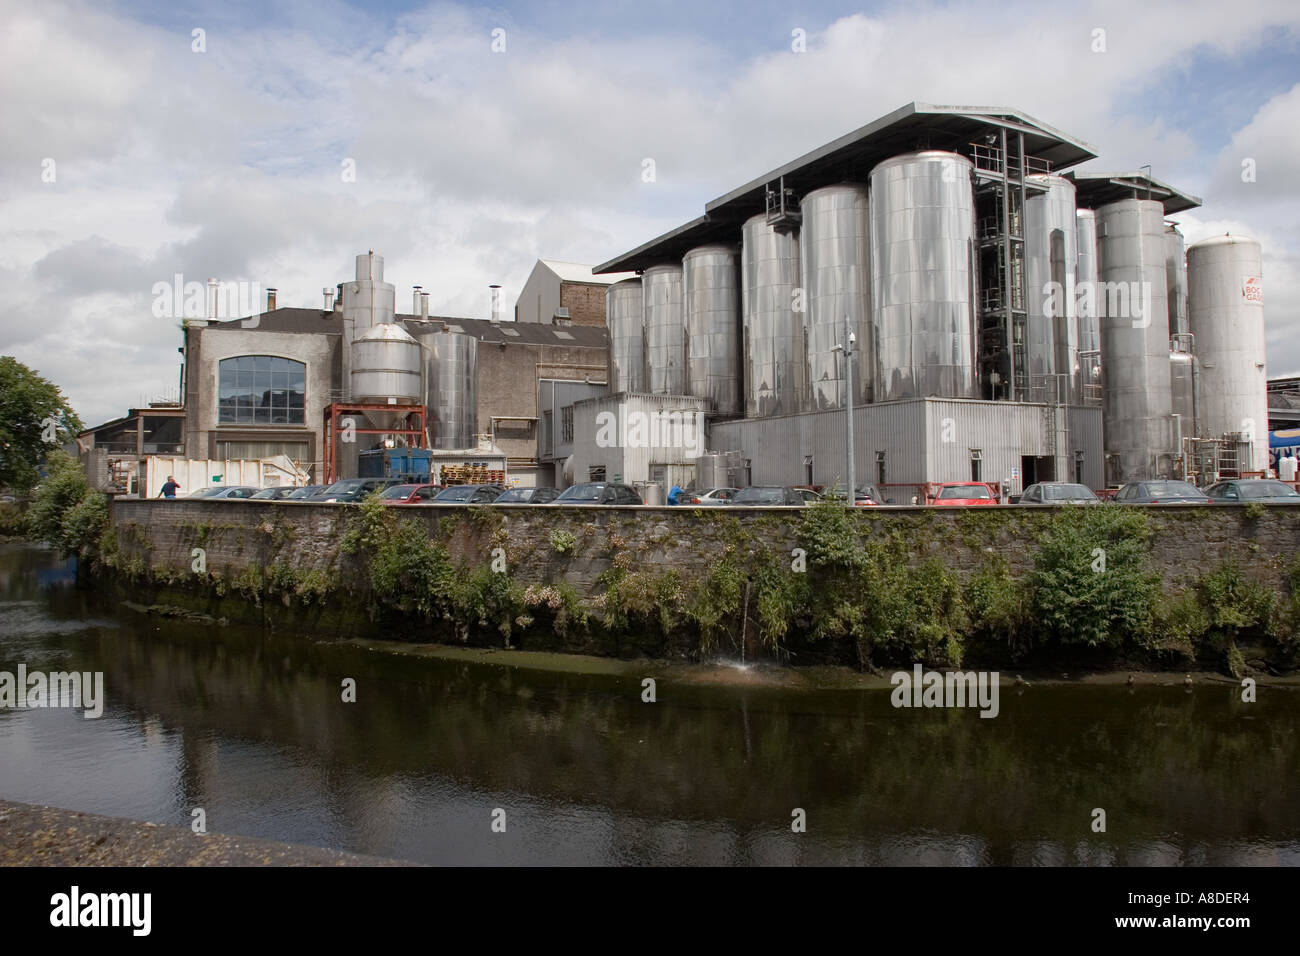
(409, 464)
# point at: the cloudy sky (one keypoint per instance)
(471, 163)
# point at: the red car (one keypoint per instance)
(409, 494)
(962, 493)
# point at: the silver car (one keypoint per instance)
(1058, 493)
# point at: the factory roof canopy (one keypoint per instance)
(297, 321)
(1098, 189)
(851, 157)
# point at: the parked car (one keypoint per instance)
(1252, 489)
(598, 493)
(767, 496)
(306, 491)
(1160, 491)
(213, 492)
(864, 495)
(278, 493)
(352, 489)
(1058, 493)
(961, 493)
(527, 496)
(809, 495)
(409, 494)
(468, 495)
(710, 497)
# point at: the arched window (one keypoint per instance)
(260, 390)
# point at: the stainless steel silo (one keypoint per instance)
(623, 318)
(664, 321)
(711, 293)
(835, 263)
(1051, 264)
(451, 382)
(1085, 304)
(772, 347)
(1182, 393)
(386, 371)
(924, 276)
(368, 300)
(1176, 279)
(1131, 302)
(1226, 314)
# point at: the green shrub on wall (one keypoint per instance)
(65, 511)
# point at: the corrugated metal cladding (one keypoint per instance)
(912, 435)
(677, 446)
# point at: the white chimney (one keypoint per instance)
(212, 299)
(424, 305)
(328, 293)
(496, 304)
(415, 299)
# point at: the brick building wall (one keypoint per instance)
(585, 302)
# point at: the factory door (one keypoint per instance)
(1042, 468)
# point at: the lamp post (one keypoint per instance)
(850, 339)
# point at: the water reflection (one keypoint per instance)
(250, 726)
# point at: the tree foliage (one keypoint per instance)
(27, 402)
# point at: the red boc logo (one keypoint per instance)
(1252, 289)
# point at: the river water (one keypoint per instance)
(250, 726)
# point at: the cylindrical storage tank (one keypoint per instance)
(924, 276)
(451, 381)
(1085, 303)
(386, 370)
(1226, 315)
(1051, 263)
(772, 343)
(835, 264)
(1182, 395)
(1131, 303)
(711, 471)
(711, 292)
(1176, 279)
(623, 318)
(664, 322)
(368, 300)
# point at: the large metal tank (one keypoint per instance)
(368, 300)
(623, 318)
(711, 471)
(835, 264)
(1051, 264)
(1176, 279)
(924, 275)
(664, 321)
(711, 292)
(773, 351)
(386, 370)
(1131, 302)
(451, 381)
(1085, 304)
(1226, 314)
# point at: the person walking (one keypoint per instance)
(169, 488)
(672, 495)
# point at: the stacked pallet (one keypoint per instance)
(472, 474)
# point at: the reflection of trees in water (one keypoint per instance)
(1161, 761)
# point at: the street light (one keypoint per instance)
(851, 340)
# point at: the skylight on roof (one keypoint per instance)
(561, 334)
(510, 331)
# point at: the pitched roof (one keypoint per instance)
(577, 272)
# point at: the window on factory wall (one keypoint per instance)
(566, 425)
(261, 390)
(295, 450)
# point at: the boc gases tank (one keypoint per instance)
(711, 292)
(837, 286)
(1226, 314)
(923, 276)
(1131, 303)
(773, 331)
(452, 389)
(665, 330)
(623, 317)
